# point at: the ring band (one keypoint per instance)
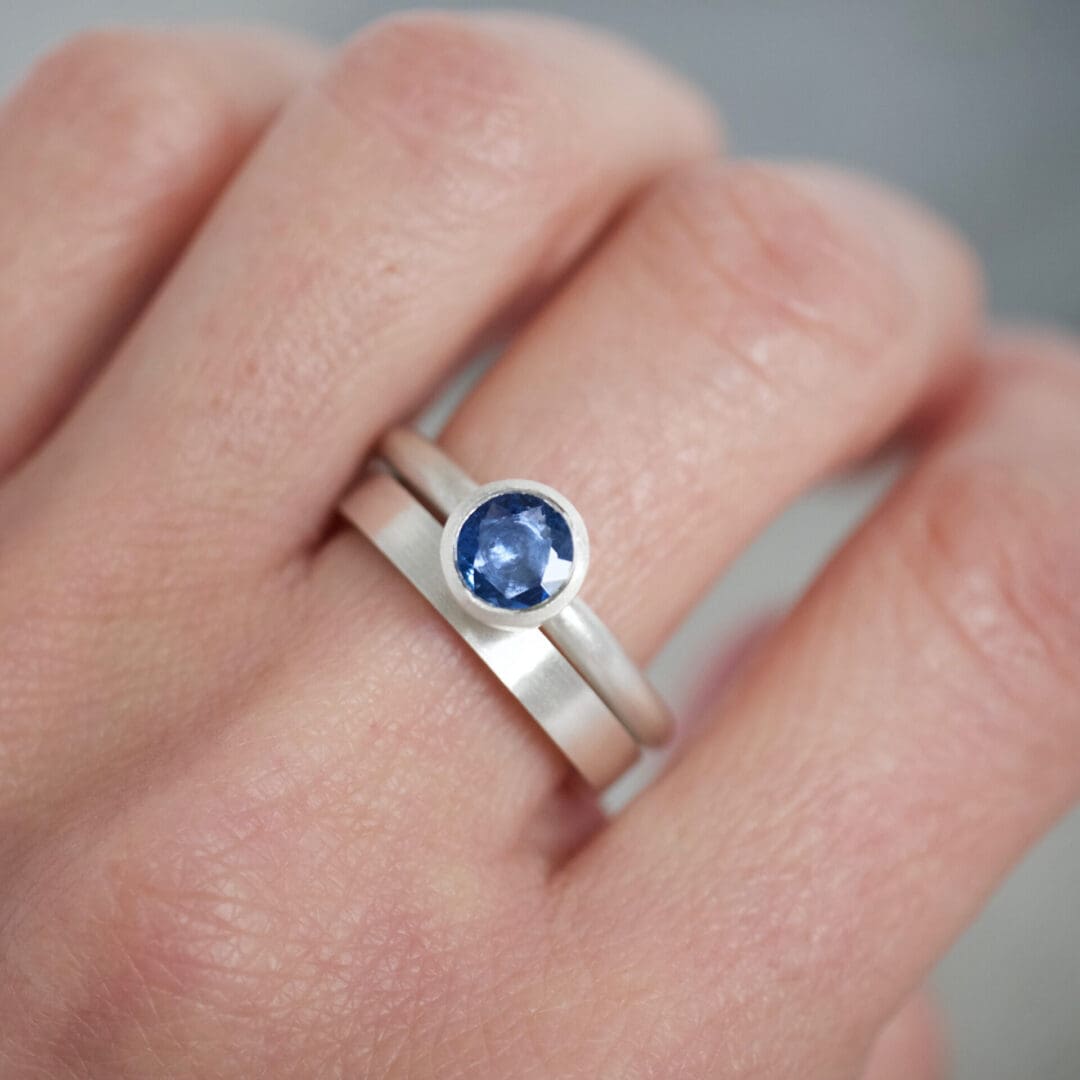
(525, 661)
(576, 630)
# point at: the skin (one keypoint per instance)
(263, 814)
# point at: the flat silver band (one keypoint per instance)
(525, 661)
(576, 630)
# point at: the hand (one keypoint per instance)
(263, 813)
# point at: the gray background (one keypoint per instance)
(973, 105)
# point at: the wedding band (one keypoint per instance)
(565, 618)
(564, 705)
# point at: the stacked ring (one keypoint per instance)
(503, 564)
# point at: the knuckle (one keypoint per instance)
(136, 103)
(769, 274)
(452, 94)
(1042, 364)
(999, 557)
(152, 938)
(200, 916)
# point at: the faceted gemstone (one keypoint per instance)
(515, 551)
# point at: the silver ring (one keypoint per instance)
(524, 660)
(563, 616)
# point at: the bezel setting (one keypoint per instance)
(490, 614)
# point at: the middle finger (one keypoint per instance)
(392, 213)
(431, 179)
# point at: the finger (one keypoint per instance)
(905, 735)
(110, 153)
(441, 167)
(432, 174)
(745, 329)
(910, 1047)
(750, 328)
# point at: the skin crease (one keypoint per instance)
(263, 815)
(218, 92)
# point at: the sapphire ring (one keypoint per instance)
(503, 564)
(525, 661)
(513, 556)
(514, 553)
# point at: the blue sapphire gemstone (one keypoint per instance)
(515, 551)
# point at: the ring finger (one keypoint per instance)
(427, 182)
(746, 330)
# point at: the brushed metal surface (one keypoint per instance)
(524, 661)
(576, 630)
